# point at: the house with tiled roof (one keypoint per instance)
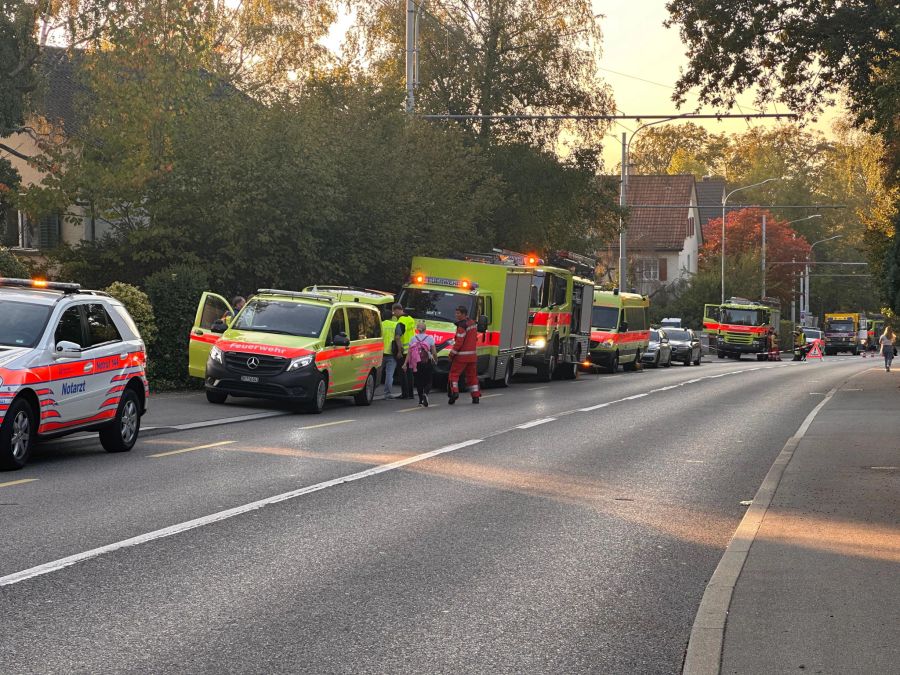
(710, 191)
(663, 233)
(54, 106)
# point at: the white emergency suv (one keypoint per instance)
(70, 360)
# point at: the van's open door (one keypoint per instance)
(711, 314)
(212, 307)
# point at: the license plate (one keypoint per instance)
(249, 378)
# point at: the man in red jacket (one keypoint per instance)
(463, 356)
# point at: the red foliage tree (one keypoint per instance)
(743, 238)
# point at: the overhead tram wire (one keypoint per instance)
(688, 116)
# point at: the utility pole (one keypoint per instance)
(411, 55)
(623, 235)
(763, 295)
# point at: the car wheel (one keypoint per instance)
(17, 435)
(365, 395)
(317, 404)
(614, 364)
(687, 360)
(122, 434)
(547, 369)
(570, 371)
(216, 397)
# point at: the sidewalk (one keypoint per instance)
(811, 581)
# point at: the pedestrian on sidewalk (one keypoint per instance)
(420, 359)
(463, 356)
(887, 341)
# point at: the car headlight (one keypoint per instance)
(216, 354)
(300, 362)
(537, 343)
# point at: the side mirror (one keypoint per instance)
(341, 340)
(482, 324)
(219, 326)
(623, 326)
(66, 349)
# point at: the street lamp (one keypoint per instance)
(725, 201)
(805, 310)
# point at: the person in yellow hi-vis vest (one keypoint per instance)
(388, 330)
(403, 335)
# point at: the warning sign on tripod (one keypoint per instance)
(816, 351)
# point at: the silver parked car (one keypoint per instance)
(685, 346)
(659, 351)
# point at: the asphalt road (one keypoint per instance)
(556, 528)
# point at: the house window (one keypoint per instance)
(43, 233)
(647, 269)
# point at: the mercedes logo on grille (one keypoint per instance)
(253, 363)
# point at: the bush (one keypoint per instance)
(174, 293)
(11, 266)
(138, 305)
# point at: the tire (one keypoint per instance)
(365, 395)
(216, 397)
(122, 434)
(547, 369)
(17, 435)
(569, 371)
(614, 364)
(317, 404)
(687, 360)
(720, 355)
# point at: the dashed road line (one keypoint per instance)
(534, 423)
(196, 447)
(326, 424)
(21, 481)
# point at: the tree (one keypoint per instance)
(494, 57)
(669, 148)
(801, 53)
(18, 54)
(743, 239)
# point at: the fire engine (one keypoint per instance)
(742, 326)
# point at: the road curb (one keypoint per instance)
(704, 650)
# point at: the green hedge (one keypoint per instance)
(174, 293)
(11, 266)
(138, 305)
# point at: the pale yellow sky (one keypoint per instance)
(641, 61)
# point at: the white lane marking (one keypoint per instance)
(225, 420)
(596, 407)
(196, 447)
(326, 424)
(490, 395)
(49, 567)
(631, 398)
(534, 423)
(536, 388)
(22, 481)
